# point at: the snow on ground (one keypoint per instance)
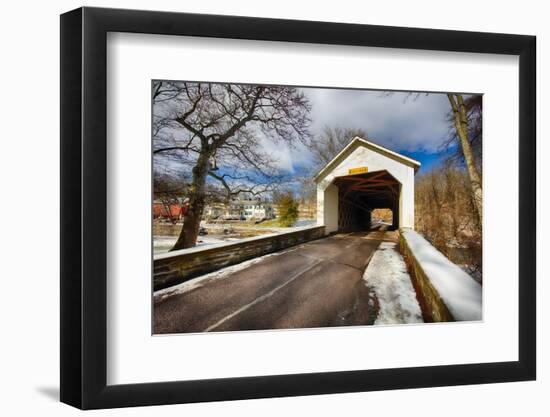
(387, 276)
(162, 244)
(298, 225)
(219, 274)
(304, 223)
(459, 291)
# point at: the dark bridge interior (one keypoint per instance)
(359, 194)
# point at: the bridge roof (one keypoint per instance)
(357, 141)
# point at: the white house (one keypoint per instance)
(362, 177)
(240, 210)
(254, 209)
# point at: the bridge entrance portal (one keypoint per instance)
(364, 177)
(359, 195)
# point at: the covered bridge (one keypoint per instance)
(363, 177)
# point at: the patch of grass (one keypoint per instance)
(271, 223)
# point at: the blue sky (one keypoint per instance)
(427, 159)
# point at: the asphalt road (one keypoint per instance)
(316, 284)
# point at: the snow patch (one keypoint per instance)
(459, 291)
(162, 244)
(387, 276)
(304, 223)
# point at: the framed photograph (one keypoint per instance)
(258, 208)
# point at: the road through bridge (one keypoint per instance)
(315, 284)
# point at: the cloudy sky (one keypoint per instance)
(415, 126)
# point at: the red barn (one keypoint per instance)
(173, 211)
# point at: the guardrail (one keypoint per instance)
(175, 267)
(449, 293)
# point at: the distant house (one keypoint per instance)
(215, 211)
(173, 211)
(240, 210)
(255, 209)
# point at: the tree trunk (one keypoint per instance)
(461, 125)
(192, 219)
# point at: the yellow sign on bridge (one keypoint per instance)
(358, 170)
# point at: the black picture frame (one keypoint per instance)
(84, 207)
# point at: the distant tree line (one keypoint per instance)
(446, 214)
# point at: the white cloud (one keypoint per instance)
(399, 121)
(281, 153)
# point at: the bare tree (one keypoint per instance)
(446, 216)
(330, 142)
(217, 130)
(307, 192)
(169, 191)
(463, 132)
(474, 112)
(467, 129)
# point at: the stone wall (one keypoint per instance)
(446, 292)
(175, 267)
(433, 307)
